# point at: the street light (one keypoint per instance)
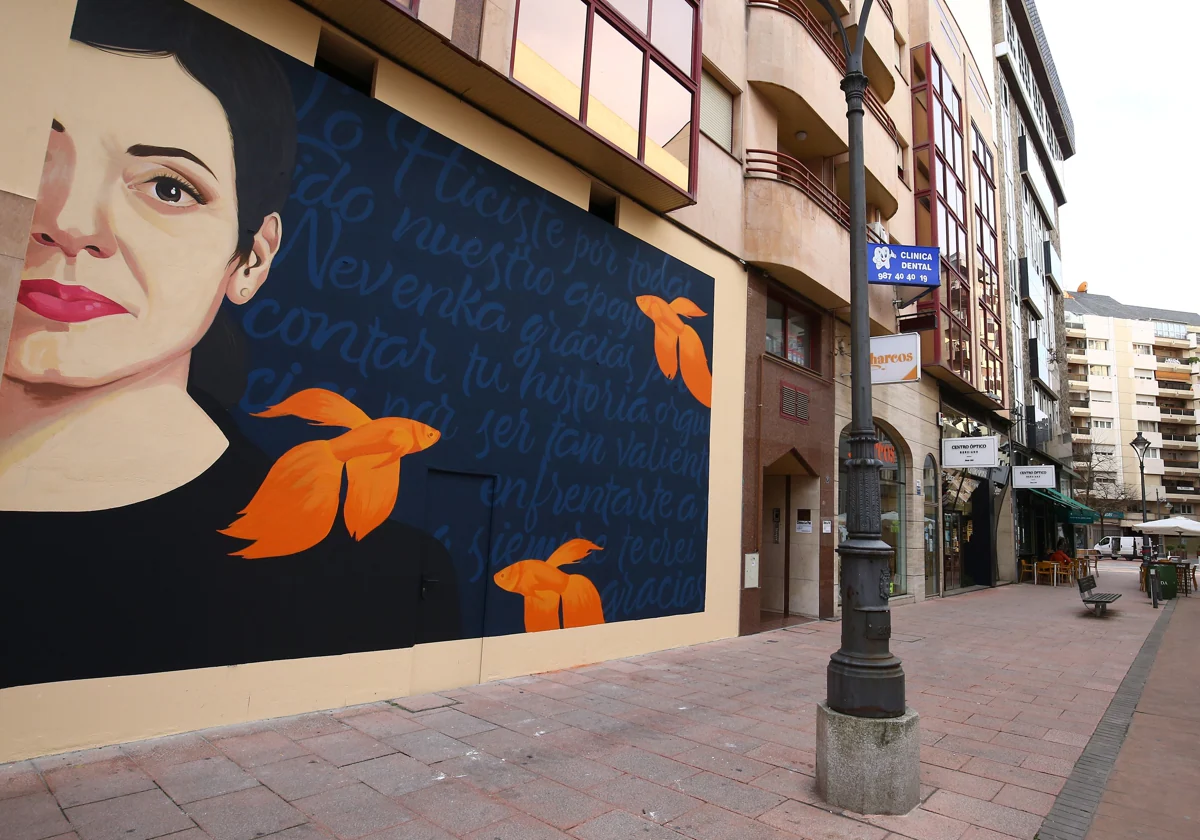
(868, 743)
(863, 679)
(1140, 445)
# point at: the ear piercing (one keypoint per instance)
(244, 292)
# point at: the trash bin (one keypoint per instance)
(1168, 583)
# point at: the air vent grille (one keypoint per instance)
(793, 403)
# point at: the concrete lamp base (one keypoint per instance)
(869, 765)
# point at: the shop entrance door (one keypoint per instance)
(930, 541)
(789, 557)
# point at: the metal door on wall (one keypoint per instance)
(458, 513)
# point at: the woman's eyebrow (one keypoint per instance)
(142, 150)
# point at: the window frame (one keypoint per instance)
(790, 303)
(623, 26)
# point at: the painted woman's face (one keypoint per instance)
(134, 228)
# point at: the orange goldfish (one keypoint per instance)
(670, 333)
(297, 504)
(545, 586)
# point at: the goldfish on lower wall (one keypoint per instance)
(297, 503)
(672, 336)
(546, 587)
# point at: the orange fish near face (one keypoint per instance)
(545, 587)
(671, 335)
(297, 504)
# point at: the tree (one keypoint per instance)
(1100, 487)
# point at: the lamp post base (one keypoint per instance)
(869, 765)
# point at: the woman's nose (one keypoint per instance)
(72, 212)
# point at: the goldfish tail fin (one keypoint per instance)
(541, 611)
(572, 551)
(581, 604)
(694, 363)
(683, 306)
(665, 343)
(321, 408)
(296, 505)
(372, 482)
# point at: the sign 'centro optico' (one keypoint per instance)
(902, 265)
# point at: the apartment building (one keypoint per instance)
(1035, 135)
(532, 349)
(1131, 370)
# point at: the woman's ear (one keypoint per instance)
(245, 280)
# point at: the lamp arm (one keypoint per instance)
(837, 19)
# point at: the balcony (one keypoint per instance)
(1076, 384)
(1171, 341)
(1173, 466)
(1074, 331)
(798, 66)
(1080, 435)
(1180, 415)
(1183, 492)
(1176, 441)
(1081, 408)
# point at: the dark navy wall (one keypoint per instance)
(424, 281)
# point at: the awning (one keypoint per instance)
(1077, 512)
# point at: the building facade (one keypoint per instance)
(386, 347)
(1131, 370)
(1035, 135)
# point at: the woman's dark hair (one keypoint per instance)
(244, 77)
(235, 68)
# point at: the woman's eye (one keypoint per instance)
(171, 190)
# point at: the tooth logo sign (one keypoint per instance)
(672, 336)
(297, 504)
(545, 586)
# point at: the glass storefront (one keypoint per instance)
(930, 483)
(969, 506)
(892, 500)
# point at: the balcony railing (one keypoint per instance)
(1180, 465)
(1075, 430)
(1174, 386)
(1178, 412)
(831, 48)
(1187, 490)
(776, 166)
(1182, 438)
(1081, 403)
(1169, 360)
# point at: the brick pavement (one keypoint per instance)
(710, 742)
(1151, 791)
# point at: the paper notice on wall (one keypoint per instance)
(826, 526)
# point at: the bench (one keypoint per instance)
(1096, 601)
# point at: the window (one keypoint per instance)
(1097, 344)
(1167, 329)
(1101, 424)
(1144, 401)
(1147, 426)
(1103, 449)
(1143, 350)
(987, 275)
(1153, 453)
(940, 173)
(716, 112)
(791, 333)
(1138, 373)
(1098, 370)
(1185, 509)
(1101, 396)
(638, 70)
(892, 499)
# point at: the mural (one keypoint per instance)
(255, 299)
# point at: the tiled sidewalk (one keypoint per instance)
(712, 742)
(1151, 792)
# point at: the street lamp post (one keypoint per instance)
(868, 748)
(1140, 445)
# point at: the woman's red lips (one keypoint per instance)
(69, 304)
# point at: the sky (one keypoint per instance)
(1131, 223)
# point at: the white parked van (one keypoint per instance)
(1128, 547)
